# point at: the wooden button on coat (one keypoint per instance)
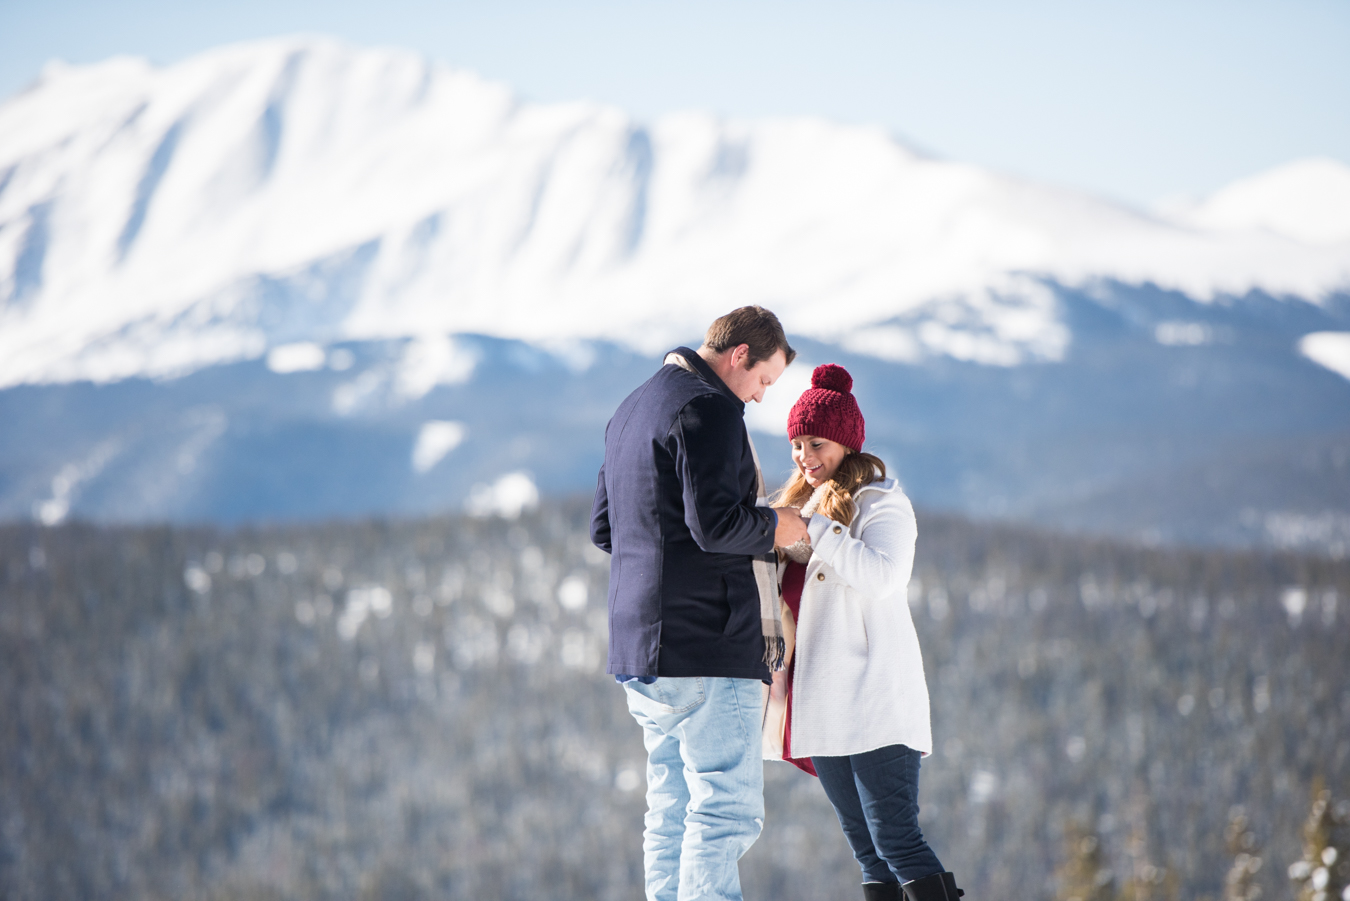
(820, 577)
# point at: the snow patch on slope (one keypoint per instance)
(1329, 349)
(303, 356)
(435, 439)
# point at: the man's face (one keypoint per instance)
(749, 384)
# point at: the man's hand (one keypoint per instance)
(791, 528)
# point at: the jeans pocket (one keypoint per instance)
(668, 694)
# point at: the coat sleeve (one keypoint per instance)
(709, 437)
(600, 525)
(879, 561)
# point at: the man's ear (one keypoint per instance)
(739, 354)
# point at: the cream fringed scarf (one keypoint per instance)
(775, 699)
(801, 551)
(765, 565)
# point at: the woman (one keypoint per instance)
(856, 700)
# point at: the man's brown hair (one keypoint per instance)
(755, 326)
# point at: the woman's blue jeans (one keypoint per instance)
(876, 795)
(705, 783)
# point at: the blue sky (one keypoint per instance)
(1137, 101)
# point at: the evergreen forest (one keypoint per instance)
(418, 709)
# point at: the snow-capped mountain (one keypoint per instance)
(156, 220)
(1306, 200)
(294, 278)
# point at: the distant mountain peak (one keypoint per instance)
(1307, 200)
(157, 220)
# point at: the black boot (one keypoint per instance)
(882, 891)
(937, 887)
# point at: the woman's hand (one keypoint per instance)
(791, 528)
(778, 690)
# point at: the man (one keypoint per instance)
(693, 615)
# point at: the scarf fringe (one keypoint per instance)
(775, 649)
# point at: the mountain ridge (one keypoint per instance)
(301, 190)
(296, 280)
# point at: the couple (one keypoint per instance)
(697, 628)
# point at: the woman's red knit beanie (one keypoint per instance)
(827, 409)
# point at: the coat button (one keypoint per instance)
(838, 529)
(820, 577)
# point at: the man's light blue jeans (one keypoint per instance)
(705, 782)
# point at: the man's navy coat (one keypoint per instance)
(675, 507)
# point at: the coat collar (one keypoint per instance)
(886, 486)
(880, 486)
(704, 371)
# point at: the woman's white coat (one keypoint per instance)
(858, 683)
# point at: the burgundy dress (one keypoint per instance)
(794, 578)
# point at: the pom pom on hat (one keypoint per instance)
(828, 409)
(832, 377)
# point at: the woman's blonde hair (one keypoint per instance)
(855, 470)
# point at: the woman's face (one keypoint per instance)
(817, 458)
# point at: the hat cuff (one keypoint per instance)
(837, 435)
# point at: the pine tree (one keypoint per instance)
(1146, 882)
(1240, 884)
(1324, 871)
(1084, 875)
